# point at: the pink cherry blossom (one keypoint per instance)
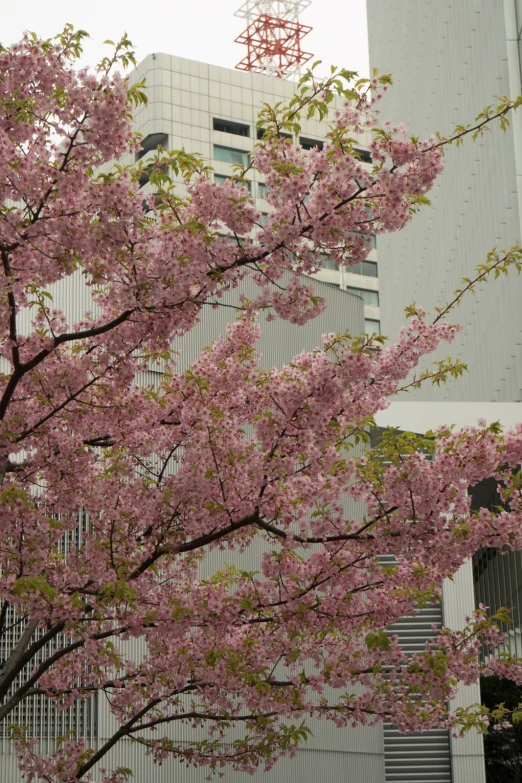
(118, 499)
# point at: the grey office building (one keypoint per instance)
(449, 59)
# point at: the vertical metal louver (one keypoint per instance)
(422, 757)
(36, 713)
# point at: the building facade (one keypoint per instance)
(213, 111)
(448, 61)
(459, 58)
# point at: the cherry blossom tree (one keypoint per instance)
(116, 496)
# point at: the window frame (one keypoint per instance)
(361, 292)
(232, 127)
(244, 161)
(311, 144)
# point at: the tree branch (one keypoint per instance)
(44, 353)
(21, 692)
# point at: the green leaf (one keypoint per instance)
(377, 640)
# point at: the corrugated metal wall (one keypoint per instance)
(448, 60)
(36, 713)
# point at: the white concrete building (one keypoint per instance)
(213, 111)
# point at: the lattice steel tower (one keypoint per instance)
(273, 36)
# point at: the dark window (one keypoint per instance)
(261, 132)
(228, 126)
(144, 176)
(369, 268)
(310, 144)
(151, 143)
(148, 169)
(364, 155)
(157, 201)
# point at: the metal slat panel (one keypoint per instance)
(417, 757)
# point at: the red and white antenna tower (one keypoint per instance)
(273, 36)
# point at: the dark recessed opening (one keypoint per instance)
(151, 143)
(228, 126)
(310, 144)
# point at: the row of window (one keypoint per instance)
(238, 129)
(368, 268)
(224, 154)
(227, 154)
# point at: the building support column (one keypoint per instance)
(467, 753)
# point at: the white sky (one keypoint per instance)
(197, 29)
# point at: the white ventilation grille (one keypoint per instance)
(417, 757)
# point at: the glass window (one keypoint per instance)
(364, 155)
(262, 190)
(220, 178)
(325, 261)
(369, 297)
(264, 219)
(228, 126)
(229, 155)
(310, 144)
(371, 326)
(368, 268)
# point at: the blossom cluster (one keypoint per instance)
(119, 500)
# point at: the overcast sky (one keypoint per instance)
(197, 29)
